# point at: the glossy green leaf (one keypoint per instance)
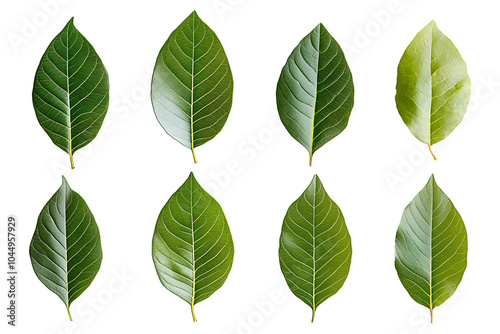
(66, 247)
(192, 244)
(192, 87)
(433, 88)
(431, 247)
(71, 91)
(315, 93)
(315, 246)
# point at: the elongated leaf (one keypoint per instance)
(433, 88)
(192, 88)
(431, 247)
(71, 91)
(315, 93)
(66, 247)
(315, 246)
(192, 244)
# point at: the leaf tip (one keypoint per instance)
(315, 182)
(70, 22)
(319, 28)
(191, 177)
(433, 24)
(432, 181)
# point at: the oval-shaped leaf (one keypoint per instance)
(315, 93)
(192, 244)
(192, 87)
(71, 91)
(431, 247)
(66, 249)
(433, 88)
(315, 246)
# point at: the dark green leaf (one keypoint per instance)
(315, 246)
(71, 91)
(315, 93)
(66, 247)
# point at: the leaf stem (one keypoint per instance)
(314, 313)
(69, 313)
(310, 159)
(432, 315)
(194, 156)
(430, 149)
(192, 312)
(71, 159)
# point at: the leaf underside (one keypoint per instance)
(71, 91)
(315, 93)
(433, 88)
(315, 246)
(66, 249)
(431, 247)
(192, 245)
(192, 87)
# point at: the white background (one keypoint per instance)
(372, 170)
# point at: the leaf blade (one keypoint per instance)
(65, 250)
(192, 86)
(431, 247)
(433, 88)
(192, 259)
(315, 91)
(315, 257)
(71, 91)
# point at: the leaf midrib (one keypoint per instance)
(314, 250)
(430, 248)
(193, 266)
(315, 99)
(432, 86)
(65, 193)
(70, 138)
(192, 88)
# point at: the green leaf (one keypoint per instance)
(315, 246)
(431, 247)
(192, 244)
(433, 88)
(71, 91)
(66, 249)
(315, 93)
(192, 87)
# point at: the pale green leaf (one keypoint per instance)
(433, 88)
